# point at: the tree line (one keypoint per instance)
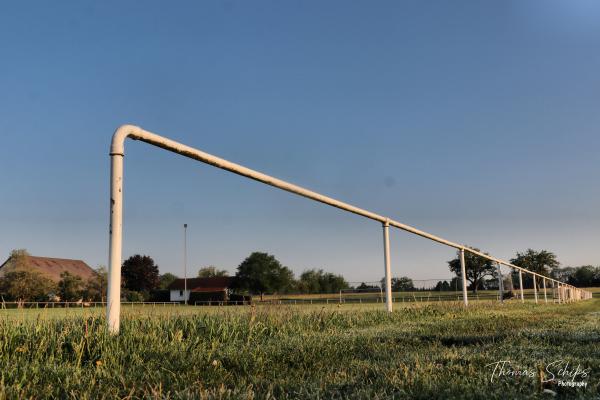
(482, 273)
(261, 273)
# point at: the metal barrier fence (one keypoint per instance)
(566, 293)
(6, 305)
(223, 303)
(397, 297)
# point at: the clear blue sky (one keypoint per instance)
(478, 121)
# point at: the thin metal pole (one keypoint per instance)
(113, 309)
(535, 290)
(388, 273)
(521, 286)
(463, 273)
(500, 283)
(185, 295)
(545, 295)
(570, 291)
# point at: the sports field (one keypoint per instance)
(421, 350)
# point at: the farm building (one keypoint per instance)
(216, 288)
(51, 268)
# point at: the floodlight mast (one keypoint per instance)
(117, 152)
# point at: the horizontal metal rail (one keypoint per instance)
(117, 152)
(15, 305)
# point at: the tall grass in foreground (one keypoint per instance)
(422, 352)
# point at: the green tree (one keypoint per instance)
(364, 287)
(21, 285)
(562, 274)
(477, 268)
(17, 260)
(400, 284)
(261, 273)
(211, 271)
(309, 282)
(166, 279)
(70, 287)
(456, 284)
(319, 281)
(96, 287)
(541, 262)
(140, 274)
(584, 276)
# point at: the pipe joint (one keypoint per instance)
(117, 145)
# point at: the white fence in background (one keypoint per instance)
(11, 305)
(427, 296)
(117, 152)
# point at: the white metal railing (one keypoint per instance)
(10, 305)
(117, 152)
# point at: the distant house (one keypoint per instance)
(51, 268)
(216, 288)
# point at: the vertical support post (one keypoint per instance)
(113, 309)
(185, 292)
(571, 298)
(535, 294)
(545, 294)
(463, 274)
(388, 273)
(500, 283)
(558, 293)
(521, 286)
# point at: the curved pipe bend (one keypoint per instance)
(117, 145)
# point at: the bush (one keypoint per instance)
(132, 295)
(240, 298)
(206, 296)
(160, 295)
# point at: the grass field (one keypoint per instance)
(421, 351)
